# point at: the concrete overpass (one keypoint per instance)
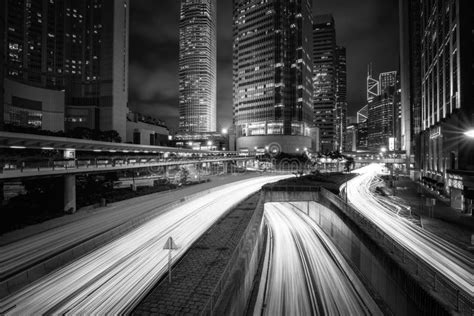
(83, 156)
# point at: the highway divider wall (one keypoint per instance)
(398, 286)
(420, 285)
(373, 255)
(65, 256)
(232, 293)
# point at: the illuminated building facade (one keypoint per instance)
(325, 81)
(272, 74)
(410, 81)
(380, 123)
(387, 79)
(197, 66)
(2, 63)
(341, 97)
(77, 48)
(447, 99)
(363, 114)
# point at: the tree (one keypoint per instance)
(348, 163)
(183, 175)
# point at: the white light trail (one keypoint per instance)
(307, 274)
(443, 256)
(111, 279)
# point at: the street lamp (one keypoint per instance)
(469, 133)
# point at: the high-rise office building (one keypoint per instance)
(2, 62)
(382, 110)
(324, 80)
(387, 79)
(447, 112)
(272, 75)
(67, 61)
(363, 114)
(34, 51)
(197, 66)
(97, 85)
(373, 85)
(380, 122)
(341, 97)
(350, 139)
(410, 80)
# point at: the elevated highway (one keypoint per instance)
(30, 156)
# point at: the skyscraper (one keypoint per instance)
(447, 85)
(410, 80)
(373, 85)
(2, 62)
(67, 61)
(341, 96)
(387, 79)
(325, 78)
(363, 114)
(197, 66)
(97, 85)
(272, 75)
(380, 121)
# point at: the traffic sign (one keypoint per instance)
(170, 244)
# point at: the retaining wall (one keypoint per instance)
(394, 283)
(235, 286)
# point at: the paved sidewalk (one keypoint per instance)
(195, 276)
(446, 222)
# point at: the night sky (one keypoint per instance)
(367, 28)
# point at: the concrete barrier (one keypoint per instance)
(392, 285)
(234, 288)
(404, 283)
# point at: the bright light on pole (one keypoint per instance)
(469, 133)
(224, 131)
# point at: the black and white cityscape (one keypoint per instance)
(236, 157)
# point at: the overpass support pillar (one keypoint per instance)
(225, 168)
(70, 193)
(166, 170)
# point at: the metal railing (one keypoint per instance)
(45, 165)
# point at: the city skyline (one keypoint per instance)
(322, 166)
(154, 47)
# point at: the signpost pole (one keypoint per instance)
(169, 264)
(170, 245)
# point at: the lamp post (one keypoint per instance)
(469, 133)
